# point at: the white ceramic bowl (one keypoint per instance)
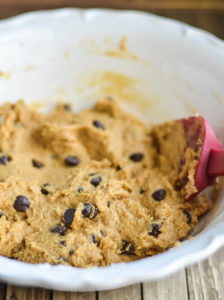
(169, 70)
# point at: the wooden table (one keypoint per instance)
(202, 281)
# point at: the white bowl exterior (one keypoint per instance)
(175, 69)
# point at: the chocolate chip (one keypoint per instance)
(159, 195)
(155, 230)
(90, 211)
(188, 215)
(63, 243)
(60, 229)
(86, 210)
(102, 233)
(21, 203)
(72, 161)
(67, 107)
(69, 215)
(95, 211)
(37, 164)
(127, 248)
(98, 124)
(80, 189)
(136, 157)
(108, 203)
(141, 191)
(94, 238)
(118, 168)
(4, 159)
(44, 191)
(96, 181)
(1, 214)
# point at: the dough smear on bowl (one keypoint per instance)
(92, 188)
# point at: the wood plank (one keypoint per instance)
(211, 22)
(73, 296)
(9, 12)
(2, 291)
(169, 288)
(205, 279)
(127, 4)
(23, 293)
(132, 292)
(207, 20)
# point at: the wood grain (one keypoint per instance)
(20, 293)
(73, 296)
(132, 292)
(169, 288)
(206, 279)
(123, 4)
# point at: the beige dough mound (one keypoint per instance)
(91, 189)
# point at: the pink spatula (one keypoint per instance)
(211, 160)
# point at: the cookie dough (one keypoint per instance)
(92, 188)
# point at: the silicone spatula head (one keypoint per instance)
(211, 160)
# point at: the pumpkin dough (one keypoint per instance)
(92, 188)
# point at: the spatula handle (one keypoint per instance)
(216, 163)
